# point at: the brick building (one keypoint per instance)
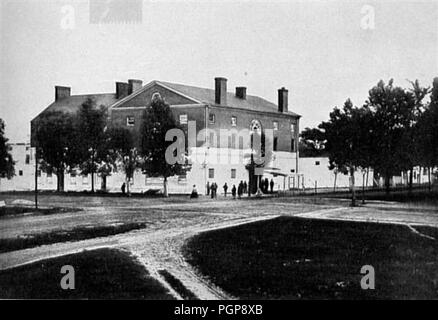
(210, 111)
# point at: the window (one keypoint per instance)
(183, 118)
(233, 173)
(211, 173)
(292, 128)
(84, 179)
(316, 163)
(130, 121)
(39, 173)
(240, 142)
(27, 158)
(275, 143)
(233, 121)
(211, 118)
(20, 172)
(233, 140)
(275, 125)
(292, 145)
(49, 174)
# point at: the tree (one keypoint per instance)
(427, 133)
(157, 121)
(312, 143)
(6, 161)
(411, 138)
(57, 143)
(344, 134)
(122, 153)
(91, 124)
(393, 111)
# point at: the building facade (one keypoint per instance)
(219, 127)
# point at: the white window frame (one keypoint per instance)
(181, 118)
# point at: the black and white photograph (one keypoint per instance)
(240, 151)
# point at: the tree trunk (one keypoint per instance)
(92, 181)
(165, 192)
(60, 180)
(363, 188)
(411, 180)
(387, 183)
(103, 185)
(128, 180)
(430, 182)
(368, 171)
(353, 191)
(334, 185)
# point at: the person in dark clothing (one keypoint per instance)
(245, 187)
(213, 190)
(208, 188)
(233, 191)
(123, 188)
(266, 185)
(194, 193)
(225, 189)
(272, 185)
(240, 190)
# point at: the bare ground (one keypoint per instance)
(172, 221)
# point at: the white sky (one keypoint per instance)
(318, 50)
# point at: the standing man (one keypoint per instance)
(245, 187)
(233, 191)
(208, 188)
(240, 190)
(123, 188)
(225, 189)
(272, 185)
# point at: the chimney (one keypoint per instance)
(220, 91)
(241, 92)
(282, 100)
(62, 92)
(134, 85)
(122, 89)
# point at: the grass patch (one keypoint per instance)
(99, 274)
(76, 234)
(177, 285)
(17, 210)
(293, 258)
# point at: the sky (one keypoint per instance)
(322, 51)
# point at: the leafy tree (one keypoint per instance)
(57, 143)
(91, 125)
(6, 161)
(393, 109)
(427, 132)
(312, 143)
(157, 121)
(412, 138)
(122, 153)
(345, 140)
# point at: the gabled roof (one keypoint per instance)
(208, 96)
(196, 94)
(72, 104)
